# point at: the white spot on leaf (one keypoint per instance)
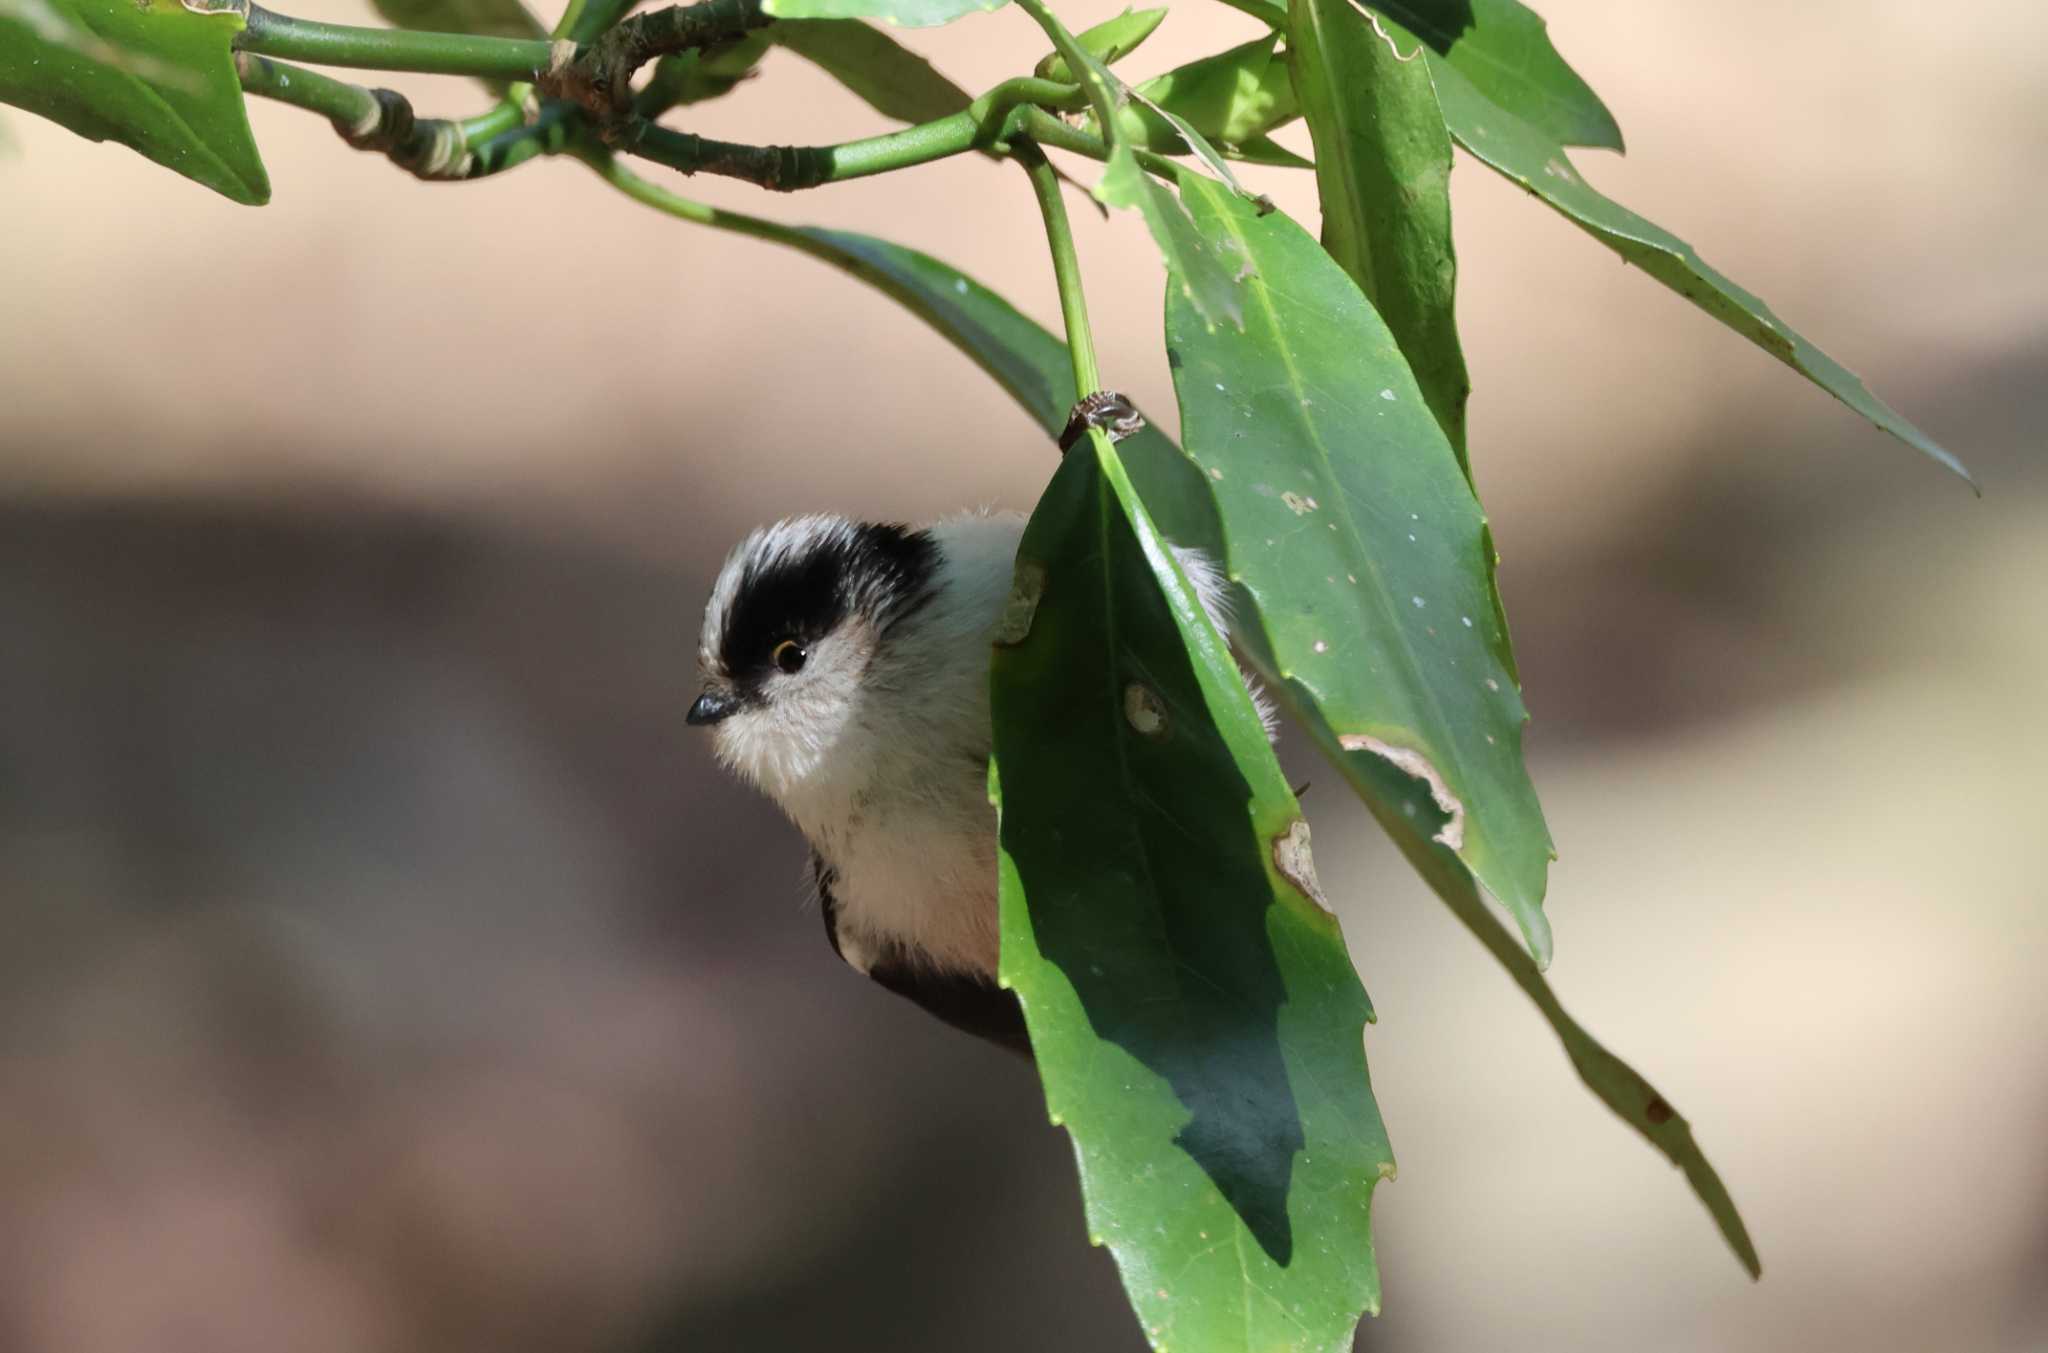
(1143, 710)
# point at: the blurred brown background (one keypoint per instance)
(383, 966)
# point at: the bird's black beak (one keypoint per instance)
(711, 707)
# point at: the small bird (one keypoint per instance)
(845, 674)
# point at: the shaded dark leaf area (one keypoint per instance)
(1169, 953)
(1440, 23)
(1198, 1023)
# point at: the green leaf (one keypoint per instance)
(684, 78)
(901, 13)
(1032, 366)
(1109, 42)
(1383, 172)
(1208, 273)
(1232, 97)
(1503, 47)
(1197, 1022)
(178, 102)
(1539, 163)
(892, 79)
(1265, 150)
(1193, 139)
(1348, 522)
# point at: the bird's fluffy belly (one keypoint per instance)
(919, 885)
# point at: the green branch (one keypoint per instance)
(1102, 97)
(1047, 130)
(1066, 265)
(558, 129)
(983, 125)
(600, 77)
(509, 135)
(402, 49)
(379, 120)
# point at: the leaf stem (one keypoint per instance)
(1066, 265)
(333, 44)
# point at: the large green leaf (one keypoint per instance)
(1503, 47)
(179, 102)
(1348, 521)
(1233, 98)
(1032, 365)
(1537, 162)
(1196, 1019)
(1383, 173)
(902, 13)
(895, 81)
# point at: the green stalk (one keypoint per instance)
(1042, 127)
(551, 133)
(336, 100)
(1101, 97)
(376, 119)
(333, 44)
(1066, 265)
(572, 15)
(980, 126)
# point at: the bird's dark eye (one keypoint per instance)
(789, 655)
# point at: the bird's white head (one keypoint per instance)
(793, 627)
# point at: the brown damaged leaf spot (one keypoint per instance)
(1027, 588)
(1297, 865)
(1417, 765)
(1658, 1112)
(1143, 710)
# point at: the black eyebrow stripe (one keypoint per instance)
(884, 570)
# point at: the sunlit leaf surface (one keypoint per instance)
(177, 100)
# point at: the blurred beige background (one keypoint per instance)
(384, 967)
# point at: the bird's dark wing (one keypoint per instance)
(969, 1003)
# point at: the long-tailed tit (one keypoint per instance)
(845, 674)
